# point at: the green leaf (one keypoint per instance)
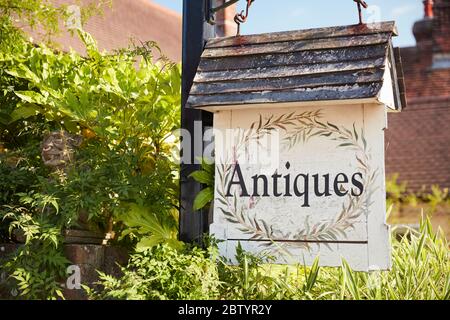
(350, 280)
(203, 198)
(420, 246)
(208, 166)
(202, 177)
(147, 223)
(24, 112)
(149, 242)
(89, 42)
(312, 276)
(30, 96)
(24, 72)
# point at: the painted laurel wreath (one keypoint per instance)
(299, 128)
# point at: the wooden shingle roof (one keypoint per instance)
(337, 63)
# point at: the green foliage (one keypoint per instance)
(45, 14)
(164, 273)
(205, 176)
(436, 197)
(420, 270)
(150, 228)
(394, 191)
(125, 113)
(39, 265)
(397, 195)
(247, 280)
(32, 12)
(124, 105)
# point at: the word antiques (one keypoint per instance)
(298, 186)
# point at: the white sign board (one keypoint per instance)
(303, 181)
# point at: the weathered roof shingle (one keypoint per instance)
(337, 63)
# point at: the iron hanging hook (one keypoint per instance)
(241, 17)
(361, 4)
(212, 11)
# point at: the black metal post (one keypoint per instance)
(196, 31)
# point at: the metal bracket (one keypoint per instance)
(242, 16)
(211, 12)
(361, 4)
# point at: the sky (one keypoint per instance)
(284, 15)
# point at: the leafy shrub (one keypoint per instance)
(164, 273)
(124, 105)
(437, 197)
(248, 280)
(420, 270)
(397, 194)
(45, 14)
(125, 114)
(37, 268)
(395, 191)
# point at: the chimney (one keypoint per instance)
(441, 27)
(225, 25)
(423, 32)
(428, 8)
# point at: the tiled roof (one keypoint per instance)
(141, 20)
(337, 63)
(422, 80)
(418, 139)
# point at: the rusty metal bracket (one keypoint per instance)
(239, 18)
(361, 4)
(211, 12)
(242, 17)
